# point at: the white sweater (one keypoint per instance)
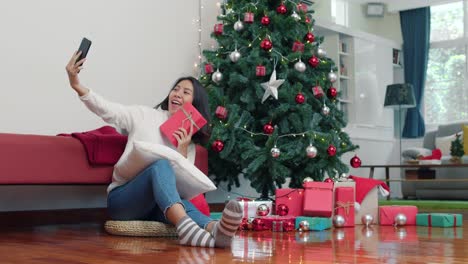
(141, 122)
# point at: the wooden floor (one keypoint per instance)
(75, 244)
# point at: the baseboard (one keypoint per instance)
(65, 216)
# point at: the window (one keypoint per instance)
(446, 92)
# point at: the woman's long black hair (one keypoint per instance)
(200, 102)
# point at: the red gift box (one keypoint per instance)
(344, 204)
(260, 70)
(318, 199)
(218, 29)
(248, 17)
(208, 68)
(302, 8)
(279, 223)
(298, 46)
(221, 112)
(185, 117)
(317, 91)
(387, 214)
(292, 198)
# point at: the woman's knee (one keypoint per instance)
(160, 165)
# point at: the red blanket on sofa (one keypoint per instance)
(103, 146)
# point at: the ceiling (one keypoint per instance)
(398, 5)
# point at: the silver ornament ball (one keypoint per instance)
(326, 110)
(307, 179)
(217, 76)
(321, 53)
(311, 151)
(400, 220)
(338, 221)
(300, 66)
(296, 16)
(332, 77)
(263, 210)
(304, 225)
(367, 219)
(235, 56)
(239, 26)
(275, 152)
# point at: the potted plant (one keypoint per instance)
(456, 149)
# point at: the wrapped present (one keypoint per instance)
(317, 91)
(369, 206)
(221, 112)
(248, 17)
(344, 204)
(439, 220)
(318, 199)
(218, 29)
(260, 70)
(292, 198)
(387, 214)
(347, 183)
(250, 208)
(298, 46)
(302, 7)
(187, 116)
(279, 223)
(315, 223)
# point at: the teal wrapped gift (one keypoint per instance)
(315, 223)
(216, 216)
(439, 220)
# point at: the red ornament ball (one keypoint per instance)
(307, 20)
(245, 225)
(281, 9)
(266, 44)
(328, 180)
(300, 98)
(331, 150)
(309, 37)
(217, 145)
(258, 224)
(268, 129)
(332, 92)
(314, 61)
(355, 162)
(282, 209)
(265, 20)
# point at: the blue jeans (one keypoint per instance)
(149, 195)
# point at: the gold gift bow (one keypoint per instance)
(189, 117)
(345, 205)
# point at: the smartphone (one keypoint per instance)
(84, 48)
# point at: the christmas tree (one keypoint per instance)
(276, 112)
(456, 147)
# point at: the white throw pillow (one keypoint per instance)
(190, 181)
(444, 143)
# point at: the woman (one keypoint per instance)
(152, 194)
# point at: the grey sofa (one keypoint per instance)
(440, 189)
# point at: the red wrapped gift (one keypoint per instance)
(218, 29)
(387, 214)
(185, 117)
(221, 112)
(260, 70)
(279, 223)
(317, 91)
(318, 199)
(298, 46)
(292, 198)
(208, 68)
(302, 7)
(248, 17)
(344, 204)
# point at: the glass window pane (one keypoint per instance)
(447, 21)
(445, 97)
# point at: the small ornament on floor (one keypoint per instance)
(367, 220)
(282, 209)
(338, 221)
(400, 220)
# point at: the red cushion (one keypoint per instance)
(201, 161)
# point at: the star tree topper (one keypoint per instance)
(271, 87)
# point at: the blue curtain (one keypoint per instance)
(415, 28)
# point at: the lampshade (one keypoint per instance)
(400, 95)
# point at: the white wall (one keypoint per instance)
(139, 49)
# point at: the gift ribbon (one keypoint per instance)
(345, 205)
(429, 220)
(189, 117)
